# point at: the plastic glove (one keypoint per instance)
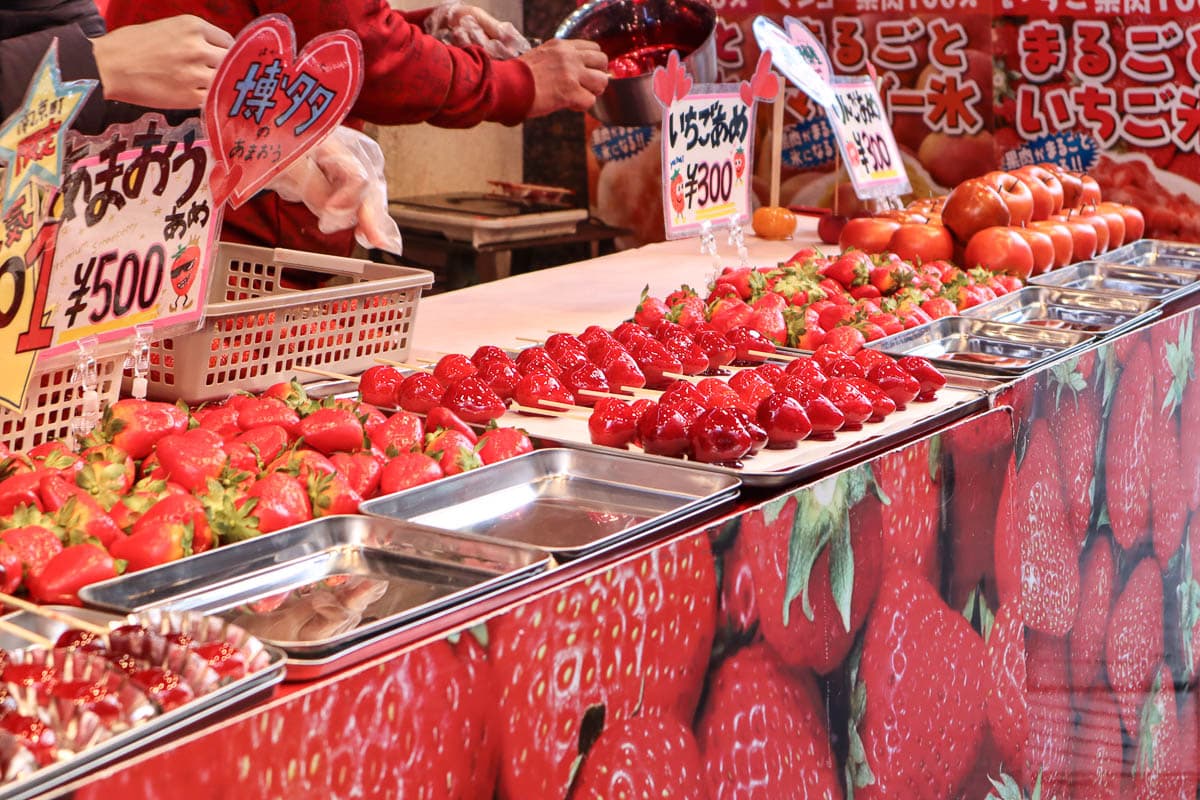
(341, 180)
(462, 25)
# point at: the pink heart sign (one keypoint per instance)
(267, 106)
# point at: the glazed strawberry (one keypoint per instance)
(473, 401)
(719, 437)
(808, 369)
(845, 368)
(716, 347)
(784, 419)
(926, 374)
(773, 372)
(536, 387)
(502, 376)
(631, 333)
(380, 386)
(420, 392)
(654, 359)
(407, 470)
(801, 616)
(595, 333)
(645, 756)
(1128, 451)
(489, 352)
(559, 654)
(571, 359)
(613, 423)
(752, 387)
(692, 358)
(559, 345)
(1075, 425)
(1133, 649)
(535, 359)
(895, 382)
(499, 444)
(583, 379)
(452, 368)
(1088, 635)
(855, 406)
(718, 394)
(826, 418)
(918, 712)
(911, 480)
(881, 404)
(749, 345)
(762, 727)
(665, 430)
(621, 370)
(758, 435)
(872, 358)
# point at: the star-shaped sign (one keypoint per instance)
(31, 140)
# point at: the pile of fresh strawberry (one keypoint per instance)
(844, 299)
(771, 405)
(156, 482)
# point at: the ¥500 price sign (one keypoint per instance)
(866, 140)
(706, 157)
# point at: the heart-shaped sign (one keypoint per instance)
(267, 106)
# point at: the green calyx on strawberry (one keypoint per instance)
(1188, 593)
(26, 516)
(104, 481)
(1066, 376)
(1181, 362)
(1007, 788)
(230, 517)
(823, 520)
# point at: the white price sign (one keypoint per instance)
(865, 138)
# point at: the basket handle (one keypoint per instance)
(301, 259)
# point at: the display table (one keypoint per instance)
(679, 638)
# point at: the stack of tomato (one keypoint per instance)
(157, 482)
(813, 298)
(1022, 223)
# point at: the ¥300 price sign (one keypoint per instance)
(706, 157)
(865, 138)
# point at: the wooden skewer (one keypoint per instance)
(544, 411)
(565, 406)
(57, 616)
(527, 339)
(644, 392)
(776, 356)
(679, 376)
(324, 373)
(594, 393)
(401, 364)
(26, 634)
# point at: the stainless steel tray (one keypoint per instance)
(960, 343)
(1160, 283)
(1068, 309)
(566, 502)
(1155, 253)
(153, 730)
(315, 589)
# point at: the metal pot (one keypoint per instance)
(622, 26)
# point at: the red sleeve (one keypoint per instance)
(410, 76)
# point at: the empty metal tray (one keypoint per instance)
(565, 502)
(1155, 253)
(1160, 283)
(316, 588)
(1067, 309)
(982, 346)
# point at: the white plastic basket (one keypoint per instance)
(257, 331)
(52, 402)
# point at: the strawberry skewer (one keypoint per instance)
(50, 613)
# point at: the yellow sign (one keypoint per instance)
(24, 270)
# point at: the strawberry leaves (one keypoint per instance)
(1181, 363)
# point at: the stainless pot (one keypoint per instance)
(621, 26)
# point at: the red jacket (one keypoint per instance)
(410, 77)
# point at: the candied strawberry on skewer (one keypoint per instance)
(774, 373)
(88, 641)
(654, 360)
(380, 386)
(420, 392)
(501, 375)
(537, 387)
(926, 374)
(452, 368)
(895, 382)
(536, 359)
(720, 436)
(37, 737)
(585, 378)
(826, 418)
(752, 387)
(630, 333)
(565, 348)
(882, 405)
(227, 661)
(166, 688)
(718, 394)
(717, 348)
(620, 369)
(855, 406)
(681, 344)
(784, 419)
(473, 400)
(749, 345)
(613, 423)
(487, 353)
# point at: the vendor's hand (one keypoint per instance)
(169, 63)
(567, 73)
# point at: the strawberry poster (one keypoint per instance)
(136, 235)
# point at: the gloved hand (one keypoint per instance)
(341, 180)
(462, 25)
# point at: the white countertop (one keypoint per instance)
(599, 291)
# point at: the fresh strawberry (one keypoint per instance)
(407, 470)
(801, 550)
(911, 480)
(69, 571)
(35, 545)
(1129, 450)
(845, 338)
(135, 426)
(560, 654)
(21, 490)
(917, 705)
(192, 458)
(763, 726)
(221, 419)
(644, 756)
(1075, 424)
(302, 464)
(290, 393)
(453, 451)
(76, 512)
(401, 433)
(154, 545)
(332, 430)
(1160, 769)
(260, 411)
(1090, 630)
(361, 471)
(441, 418)
(279, 500)
(650, 310)
(332, 494)
(179, 508)
(1134, 644)
(499, 444)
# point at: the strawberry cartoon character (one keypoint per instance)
(183, 273)
(739, 164)
(677, 194)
